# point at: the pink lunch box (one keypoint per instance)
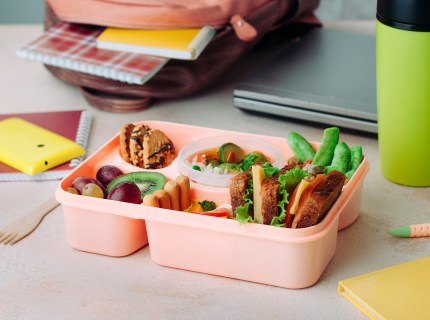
(217, 246)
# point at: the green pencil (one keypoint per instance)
(411, 231)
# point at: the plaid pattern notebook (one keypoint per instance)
(73, 47)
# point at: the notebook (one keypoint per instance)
(33, 149)
(74, 124)
(327, 77)
(171, 43)
(398, 292)
(73, 47)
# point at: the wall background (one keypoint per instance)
(21, 11)
(31, 11)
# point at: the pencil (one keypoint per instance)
(411, 231)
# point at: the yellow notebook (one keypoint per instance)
(32, 149)
(186, 44)
(398, 292)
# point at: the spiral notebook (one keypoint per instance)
(73, 47)
(74, 124)
(185, 44)
(398, 292)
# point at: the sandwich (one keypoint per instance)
(288, 197)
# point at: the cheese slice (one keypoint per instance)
(257, 179)
(303, 185)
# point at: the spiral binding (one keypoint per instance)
(82, 135)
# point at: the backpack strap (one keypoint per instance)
(115, 103)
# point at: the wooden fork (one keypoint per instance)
(25, 225)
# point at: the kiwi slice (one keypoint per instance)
(147, 182)
(230, 153)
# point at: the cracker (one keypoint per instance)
(124, 139)
(158, 150)
(136, 145)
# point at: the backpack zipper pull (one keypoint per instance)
(243, 29)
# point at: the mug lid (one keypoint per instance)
(411, 15)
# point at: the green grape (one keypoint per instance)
(72, 190)
(92, 190)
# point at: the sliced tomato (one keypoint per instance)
(220, 212)
(293, 203)
(310, 188)
(314, 183)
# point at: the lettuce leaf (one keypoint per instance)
(242, 212)
(269, 170)
(289, 180)
(279, 221)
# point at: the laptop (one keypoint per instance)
(328, 77)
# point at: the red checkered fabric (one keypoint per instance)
(72, 46)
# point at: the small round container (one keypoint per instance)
(247, 143)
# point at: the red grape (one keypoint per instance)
(107, 173)
(125, 191)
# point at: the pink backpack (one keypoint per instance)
(240, 26)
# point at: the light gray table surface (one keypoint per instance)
(42, 277)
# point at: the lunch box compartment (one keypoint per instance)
(289, 258)
(288, 263)
(106, 234)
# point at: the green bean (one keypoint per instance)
(356, 158)
(301, 148)
(325, 152)
(341, 158)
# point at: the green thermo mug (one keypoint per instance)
(403, 90)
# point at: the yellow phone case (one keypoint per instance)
(32, 149)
